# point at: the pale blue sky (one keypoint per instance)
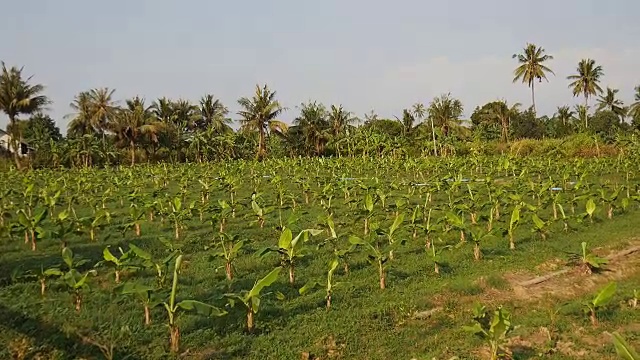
(365, 54)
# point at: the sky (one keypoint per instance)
(365, 54)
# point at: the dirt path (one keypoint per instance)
(572, 282)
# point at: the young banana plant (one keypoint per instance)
(494, 329)
(436, 256)
(251, 299)
(126, 262)
(609, 200)
(77, 283)
(145, 294)
(478, 236)
(588, 262)
(603, 298)
(228, 249)
(367, 212)
(291, 249)
(376, 249)
(259, 211)
(179, 214)
(513, 225)
(44, 275)
(624, 350)
(32, 225)
(174, 308)
(334, 240)
(136, 217)
(540, 226)
(97, 221)
(330, 285)
(161, 267)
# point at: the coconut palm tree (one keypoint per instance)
(564, 114)
(445, 112)
(133, 122)
(81, 119)
(407, 121)
(103, 109)
(212, 114)
(314, 125)
(587, 80)
(610, 102)
(18, 96)
(419, 111)
(260, 114)
(163, 110)
(340, 120)
(532, 68)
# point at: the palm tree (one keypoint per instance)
(260, 114)
(314, 125)
(634, 110)
(213, 115)
(340, 120)
(133, 122)
(103, 108)
(371, 116)
(81, 119)
(608, 101)
(445, 112)
(419, 111)
(185, 115)
(586, 81)
(17, 97)
(564, 114)
(532, 68)
(163, 110)
(407, 121)
(502, 114)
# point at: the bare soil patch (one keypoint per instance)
(572, 282)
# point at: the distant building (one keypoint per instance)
(5, 144)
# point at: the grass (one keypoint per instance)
(364, 321)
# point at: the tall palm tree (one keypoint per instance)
(260, 113)
(610, 102)
(502, 114)
(213, 115)
(103, 108)
(18, 96)
(81, 119)
(532, 68)
(163, 110)
(185, 115)
(564, 114)
(133, 122)
(445, 112)
(340, 120)
(634, 110)
(314, 125)
(419, 111)
(587, 80)
(407, 121)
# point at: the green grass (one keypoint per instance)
(364, 321)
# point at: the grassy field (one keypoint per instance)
(419, 314)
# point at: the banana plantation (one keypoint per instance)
(478, 257)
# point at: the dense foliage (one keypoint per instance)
(102, 132)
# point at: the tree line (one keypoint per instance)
(102, 131)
